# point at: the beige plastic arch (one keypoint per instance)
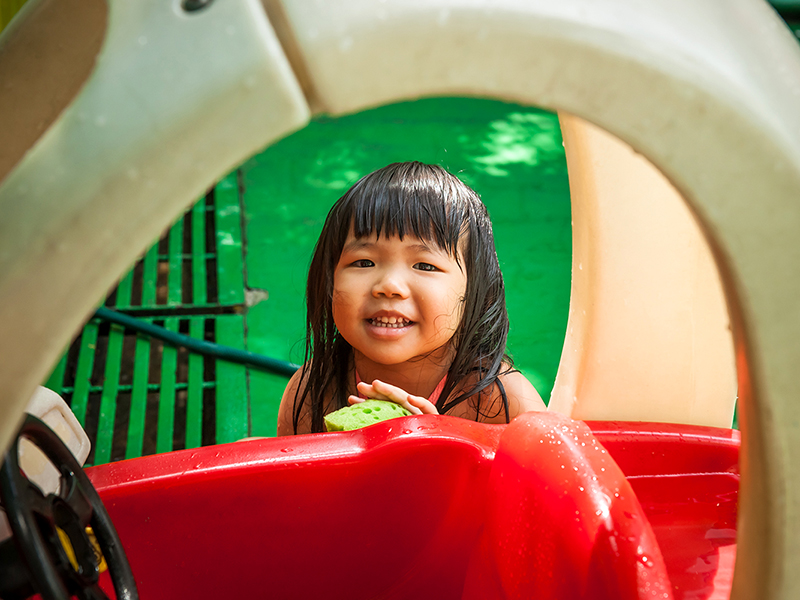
(707, 91)
(649, 336)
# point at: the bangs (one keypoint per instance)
(412, 199)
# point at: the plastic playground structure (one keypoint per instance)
(679, 115)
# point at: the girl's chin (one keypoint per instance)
(384, 354)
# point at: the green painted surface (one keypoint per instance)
(266, 389)
(199, 254)
(149, 276)
(83, 372)
(167, 394)
(124, 291)
(175, 265)
(194, 404)
(136, 427)
(108, 400)
(511, 155)
(232, 418)
(230, 271)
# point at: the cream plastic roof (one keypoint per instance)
(708, 91)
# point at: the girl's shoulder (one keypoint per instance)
(286, 409)
(294, 393)
(522, 396)
(488, 408)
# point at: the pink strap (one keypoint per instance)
(434, 394)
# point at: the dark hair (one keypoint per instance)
(431, 204)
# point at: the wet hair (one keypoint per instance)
(427, 202)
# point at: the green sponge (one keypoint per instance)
(362, 414)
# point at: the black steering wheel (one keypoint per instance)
(35, 559)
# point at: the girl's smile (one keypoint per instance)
(395, 300)
(387, 324)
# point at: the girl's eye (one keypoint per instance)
(363, 263)
(425, 267)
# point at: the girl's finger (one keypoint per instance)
(385, 392)
(395, 394)
(423, 404)
(366, 390)
(414, 404)
(355, 400)
(391, 392)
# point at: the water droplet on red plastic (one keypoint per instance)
(646, 560)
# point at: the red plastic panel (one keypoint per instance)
(687, 480)
(694, 519)
(562, 521)
(668, 448)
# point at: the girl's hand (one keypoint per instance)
(378, 390)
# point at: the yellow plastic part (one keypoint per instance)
(66, 543)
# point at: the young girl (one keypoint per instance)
(406, 303)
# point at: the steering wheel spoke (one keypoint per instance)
(78, 500)
(37, 502)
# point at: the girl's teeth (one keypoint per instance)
(391, 322)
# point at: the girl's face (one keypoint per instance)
(395, 300)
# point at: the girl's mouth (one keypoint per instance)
(389, 322)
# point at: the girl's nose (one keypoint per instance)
(390, 284)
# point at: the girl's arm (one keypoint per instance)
(522, 397)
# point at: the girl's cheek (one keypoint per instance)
(342, 300)
(337, 321)
(336, 308)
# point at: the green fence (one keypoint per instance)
(135, 395)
